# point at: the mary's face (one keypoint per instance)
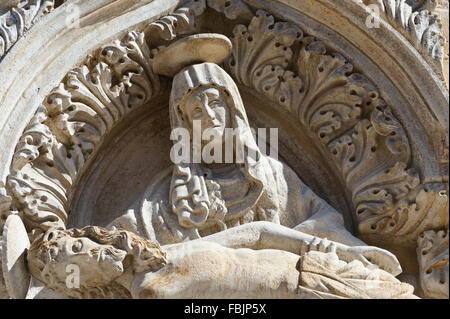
(208, 106)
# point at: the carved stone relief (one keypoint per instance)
(70, 125)
(154, 266)
(420, 26)
(343, 111)
(417, 22)
(432, 252)
(15, 22)
(338, 106)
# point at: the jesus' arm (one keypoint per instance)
(267, 235)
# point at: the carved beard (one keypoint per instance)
(218, 218)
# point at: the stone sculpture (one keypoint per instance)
(197, 200)
(233, 209)
(119, 264)
(363, 123)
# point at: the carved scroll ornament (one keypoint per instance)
(15, 22)
(70, 125)
(342, 110)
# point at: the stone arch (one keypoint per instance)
(376, 113)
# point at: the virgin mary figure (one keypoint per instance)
(257, 202)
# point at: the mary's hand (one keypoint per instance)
(370, 255)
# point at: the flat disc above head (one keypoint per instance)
(14, 247)
(199, 48)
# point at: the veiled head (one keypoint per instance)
(206, 87)
(206, 93)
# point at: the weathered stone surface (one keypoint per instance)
(358, 186)
(220, 272)
(7, 4)
(17, 17)
(213, 48)
(3, 293)
(442, 10)
(432, 252)
(15, 244)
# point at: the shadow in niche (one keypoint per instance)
(59, 3)
(139, 149)
(132, 154)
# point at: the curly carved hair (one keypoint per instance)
(145, 255)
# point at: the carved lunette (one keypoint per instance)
(340, 108)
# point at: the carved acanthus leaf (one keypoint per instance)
(65, 132)
(37, 139)
(374, 161)
(15, 22)
(386, 125)
(232, 9)
(181, 21)
(377, 180)
(376, 196)
(38, 194)
(417, 24)
(333, 98)
(325, 93)
(354, 150)
(432, 252)
(41, 201)
(261, 54)
(424, 208)
(339, 108)
(96, 96)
